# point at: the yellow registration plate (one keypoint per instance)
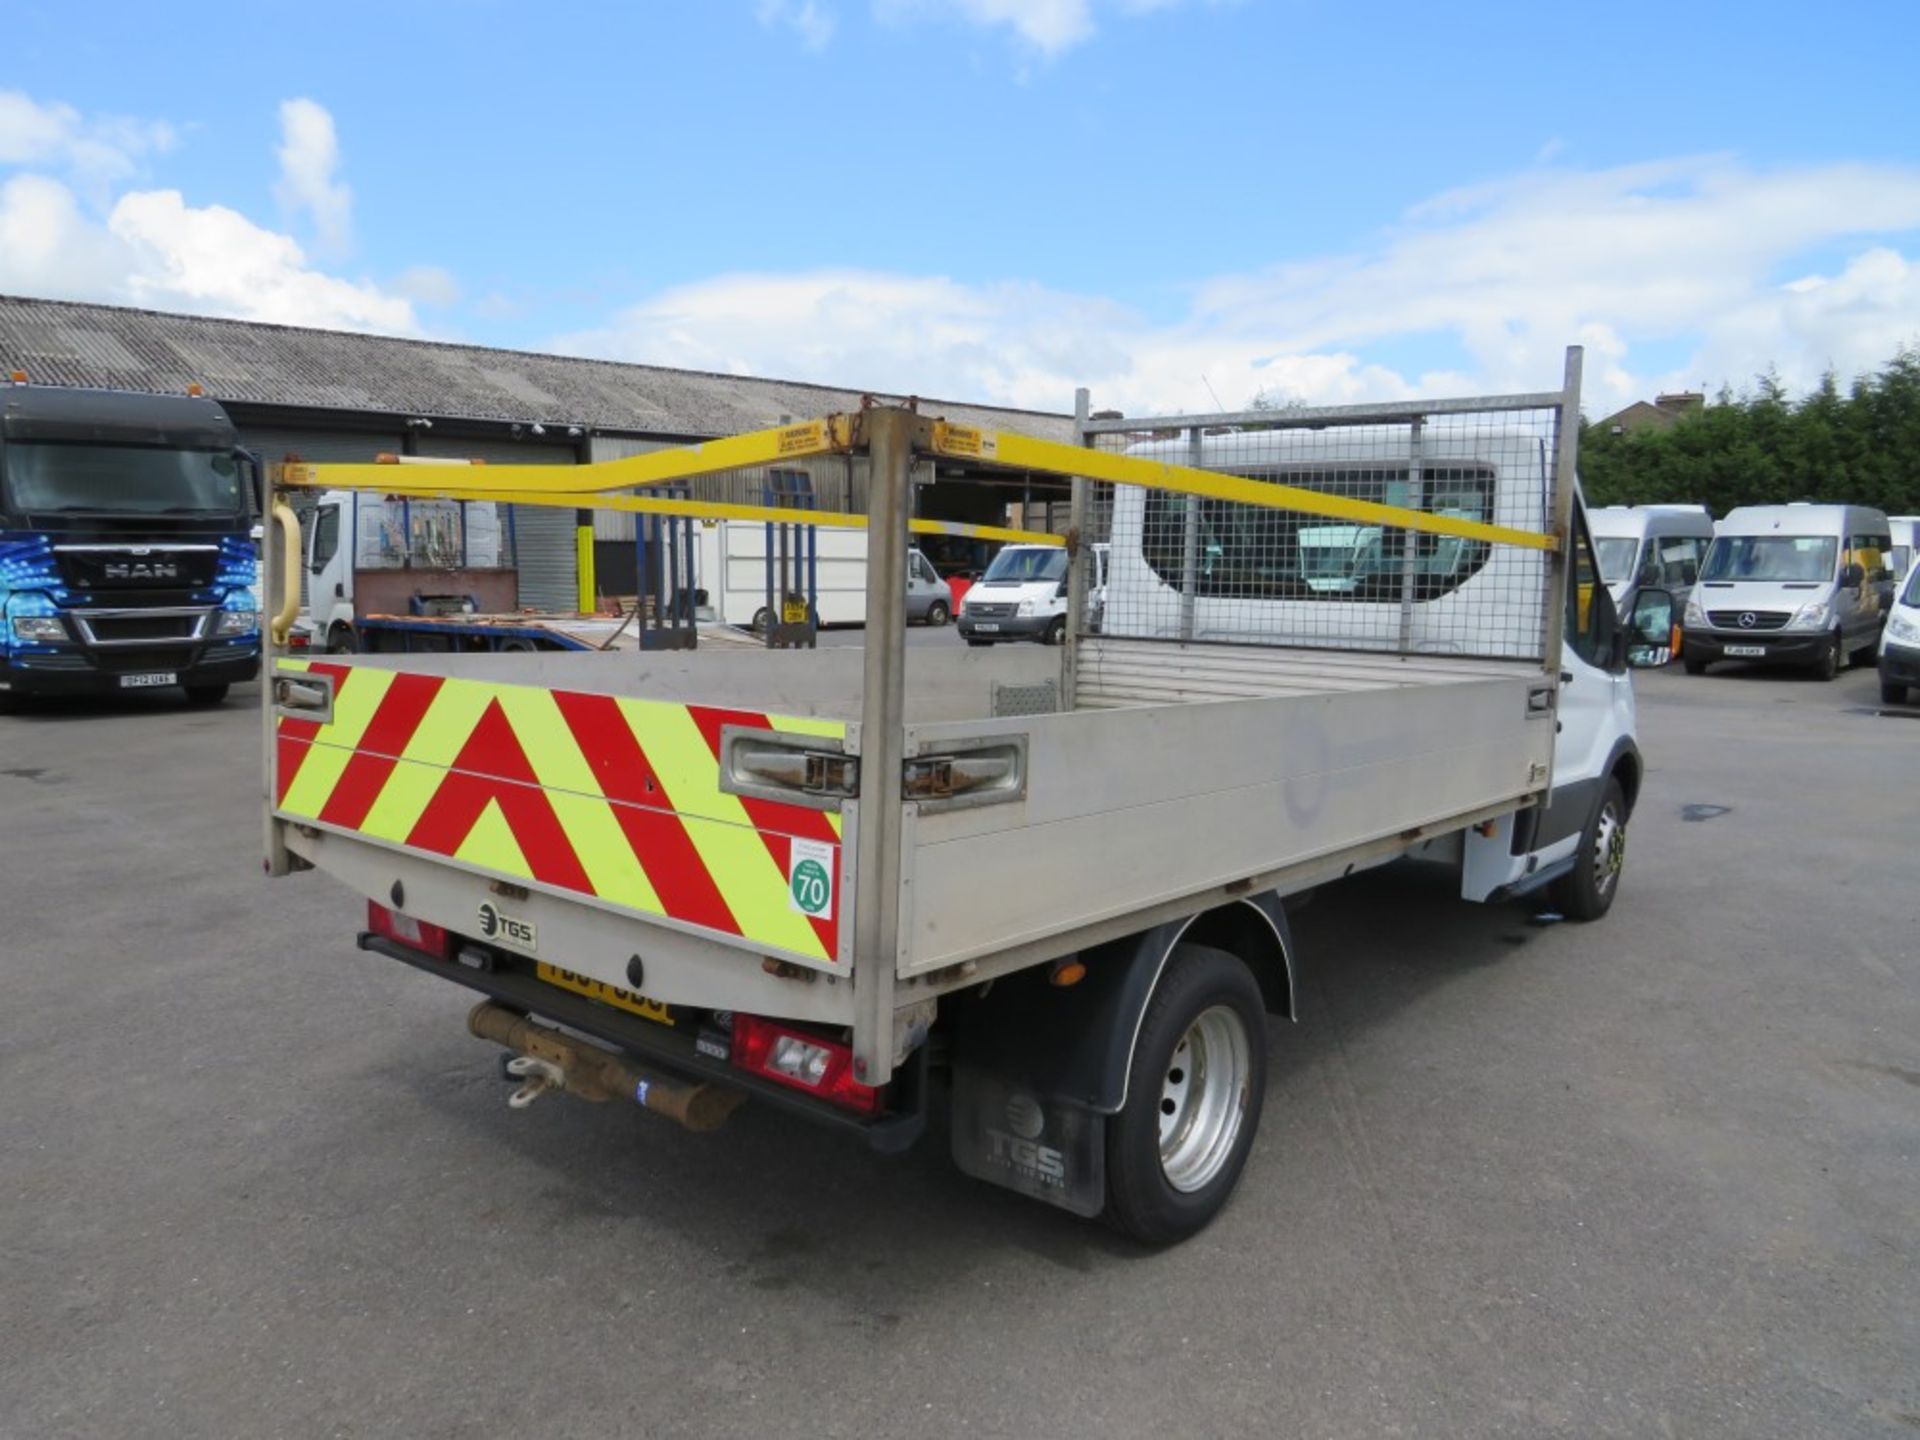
(606, 994)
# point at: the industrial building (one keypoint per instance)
(325, 395)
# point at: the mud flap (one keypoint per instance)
(1050, 1149)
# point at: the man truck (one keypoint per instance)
(126, 553)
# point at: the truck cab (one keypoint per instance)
(126, 557)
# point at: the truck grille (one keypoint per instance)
(112, 628)
(992, 612)
(1762, 619)
(143, 657)
(133, 567)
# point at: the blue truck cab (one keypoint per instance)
(126, 552)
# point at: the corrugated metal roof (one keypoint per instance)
(63, 343)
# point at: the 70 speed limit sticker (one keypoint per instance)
(810, 878)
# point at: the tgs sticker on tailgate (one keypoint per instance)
(504, 929)
(810, 878)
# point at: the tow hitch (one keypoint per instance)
(550, 1059)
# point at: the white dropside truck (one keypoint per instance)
(1053, 879)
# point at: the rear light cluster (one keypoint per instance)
(405, 930)
(802, 1060)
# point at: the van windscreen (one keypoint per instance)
(1616, 556)
(1775, 558)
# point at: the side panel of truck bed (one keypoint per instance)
(590, 794)
(1128, 808)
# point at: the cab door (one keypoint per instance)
(1596, 697)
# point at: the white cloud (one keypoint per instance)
(150, 247)
(94, 152)
(1491, 281)
(309, 156)
(1049, 26)
(427, 285)
(805, 18)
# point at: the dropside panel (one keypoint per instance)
(599, 795)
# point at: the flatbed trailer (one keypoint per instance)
(1059, 877)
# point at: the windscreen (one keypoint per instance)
(1616, 557)
(1774, 558)
(1022, 563)
(44, 478)
(1912, 597)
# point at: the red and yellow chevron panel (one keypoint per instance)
(604, 795)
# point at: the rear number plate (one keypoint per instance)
(154, 677)
(1745, 650)
(606, 994)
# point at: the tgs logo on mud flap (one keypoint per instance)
(1017, 1147)
(504, 929)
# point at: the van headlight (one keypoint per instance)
(1695, 616)
(1026, 607)
(1811, 616)
(1901, 628)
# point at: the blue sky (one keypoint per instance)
(993, 200)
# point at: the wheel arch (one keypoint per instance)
(1076, 1043)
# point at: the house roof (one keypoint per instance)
(239, 362)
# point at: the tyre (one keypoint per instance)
(342, 641)
(1828, 665)
(206, 694)
(1587, 891)
(979, 643)
(1056, 632)
(762, 620)
(938, 614)
(1693, 663)
(1866, 655)
(1892, 693)
(1194, 1090)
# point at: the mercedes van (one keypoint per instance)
(1798, 584)
(1653, 547)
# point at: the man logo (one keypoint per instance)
(497, 925)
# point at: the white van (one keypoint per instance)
(1651, 547)
(1906, 542)
(1022, 596)
(1796, 584)
(1900, 642)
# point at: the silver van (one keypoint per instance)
(1650, 547)
(1797, 584)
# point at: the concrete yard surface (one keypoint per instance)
(1654, 1176)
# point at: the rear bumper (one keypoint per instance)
(1777, 647)
(73, 673)
(675, 1051)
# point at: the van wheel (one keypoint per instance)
(937, 613)
(1694, 664)
(1194, 1090)
(1828, 665)
(1587, 891)
(1865, 655)
(979, 644)
(1056, 631)
(1892, 693)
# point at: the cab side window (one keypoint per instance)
(326, 536)
(1590, 619)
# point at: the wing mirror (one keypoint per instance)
(1650, 629)
(1852, 578)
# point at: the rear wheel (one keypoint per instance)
(1587, 891)
(1194, 1090)
(342, 641)
(1892, 693)
(206, 694)
(937, 613)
